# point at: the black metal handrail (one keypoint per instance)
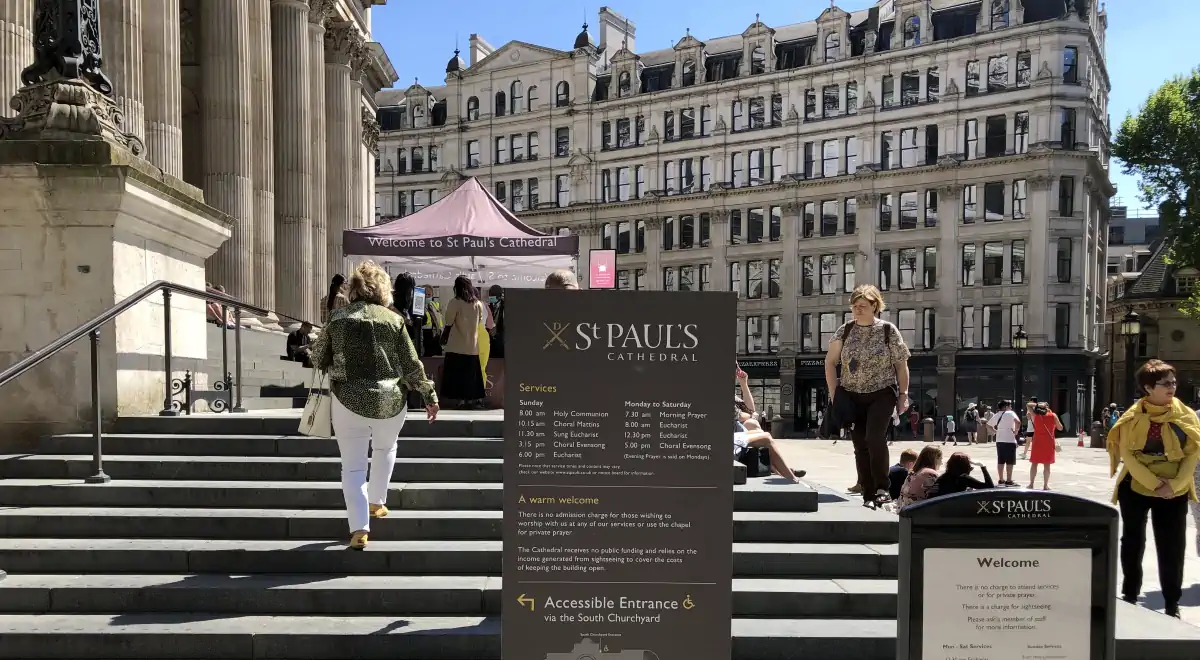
(91, 329)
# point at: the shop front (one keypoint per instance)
(764, 382)
(1066, 382)
(811, 396)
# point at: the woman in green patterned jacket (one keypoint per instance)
(372, 366)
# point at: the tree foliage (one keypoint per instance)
(1161, 146)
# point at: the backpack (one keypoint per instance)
(972, 415)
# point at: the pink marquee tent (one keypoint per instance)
(467, 232)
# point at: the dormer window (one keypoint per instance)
(689, 73)
(418, 116)
(624, 84)
(912, 31)
(999, 14)
(516, 95)
(758, 61)
(833, 47)
(473, 108)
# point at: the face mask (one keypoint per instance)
(492, 299)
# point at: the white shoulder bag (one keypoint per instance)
(317, 419)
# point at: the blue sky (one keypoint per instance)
(1148, 40)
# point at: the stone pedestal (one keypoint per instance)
(83, 224)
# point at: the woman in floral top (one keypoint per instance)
(866, 371)
(372, 365)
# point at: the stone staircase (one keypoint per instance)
(269, 383)
(223, 537)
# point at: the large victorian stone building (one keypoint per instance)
(266, 105)
(955, 154)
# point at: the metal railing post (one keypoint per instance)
(168, 409)
(98, 476)
(237, 348)
(225, 377)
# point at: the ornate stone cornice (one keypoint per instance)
(320, 11)
(370, 131)
(867, 199)
(951, 191)
(1040, 182)
(67, 109)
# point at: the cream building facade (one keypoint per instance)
(955, 154)
(265, 105)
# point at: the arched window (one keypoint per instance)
(433, 159)
(401, 161)
(624, 84)
(758, 60)
(689, 73)
(501, 104)
(833, 47)
(418, 116)
(562, 94)
(531, 98)
(516, 95)
(418, 159)
(473, 108)
(912, 31)
(999, 14)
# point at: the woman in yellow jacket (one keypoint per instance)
(1158, 443)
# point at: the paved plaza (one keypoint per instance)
(1078, 471)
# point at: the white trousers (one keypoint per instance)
(355, 435)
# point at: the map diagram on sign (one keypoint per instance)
(590, 649)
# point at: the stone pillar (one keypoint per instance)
(16, 47)
(319, 12)
(162, 87)
(228, 136)
(358, 181)
(341, 44)
(1039, 322)
(264, 155)
(293, 156)
(654, 243)
(121, 25)
(790, 274)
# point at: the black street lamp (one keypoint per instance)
(1131, 329)
(1020, 342)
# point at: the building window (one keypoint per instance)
(930, 267)
(776, 164)
(809, 213)
(833, 46)
(776, 110)
(999, 14)
(773, 325)
(967, 338)
(1066, 196)
(908, 147)
(997, 73)
(688, 78)
(851, 97)
(639, 181)
(758, 61)
(851, 155)
(1071, 65)
(910, 88)
(933, 85)
(885, 150)
(773, 288)
(1063, 261)
(888, 91)
(971, 139)
(754, 279)
(931, 144)
(624, 84)
(885, 270)
(907, 276)
(1062, 325)
(531, 98)
(623, 184)
(807, 276)
(754, 219)
(705, 283)
(473, 153)
(775, 231)
(1021, 132)
(562, 191)
(735, 278)
(1016, 320)
(706, 173)
(737, 169)
(501, 104)
(993, 201)
(1185, 285)
(830, 100)
(931, 208)
(970, 204)
(687, 278)
(885, 212)
(517, 189)
(850, 216)
(848, 260)
(829, 158)
(906, 322)
(828, 273)
(1066, 134)
(756, 167)
(908, 210)
(912, 31)
(562, 94)
(515, 97)
(806, 333)
(473, 108)
(623, 137)
(996, 136)
(1017, 256)
(993, 326)
(829, 325)
(517, 148)
(1019, 199)
(501, 192)
(829, 217)
(735, 227)
(668, 278)
(968, 264)
(928, 328)
(973, 80)
(562, 141)
(1024, 69)
(993, 264)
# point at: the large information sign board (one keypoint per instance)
(618, 495)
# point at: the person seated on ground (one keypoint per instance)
(957, 477)
(746, 410)
(562, 279)
(899, 472)
(922, 477)
(298, 349)
(746, 439)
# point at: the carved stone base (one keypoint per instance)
(67, 110)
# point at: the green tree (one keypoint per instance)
(1161, 146)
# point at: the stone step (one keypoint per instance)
(36, 555)
(448, 425)
(1141, 635)
(242, 468)
(768, 495)
(168, 523)
(258, 445)
(380, 595)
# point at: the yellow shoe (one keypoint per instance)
(358, 540)
(378, 510)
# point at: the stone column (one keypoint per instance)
(319, 12)
(228, 130)
(121, 25)
(293, 156)
(341, 44)
(162, 86)
(358, 182)
(16, 47)
(264, 155)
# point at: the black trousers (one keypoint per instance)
(1168, 519)
(872, 417)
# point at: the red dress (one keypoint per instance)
(1043, 449)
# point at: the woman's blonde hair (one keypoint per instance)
(869, 293)
(370, 283)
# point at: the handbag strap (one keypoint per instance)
(317, 382)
